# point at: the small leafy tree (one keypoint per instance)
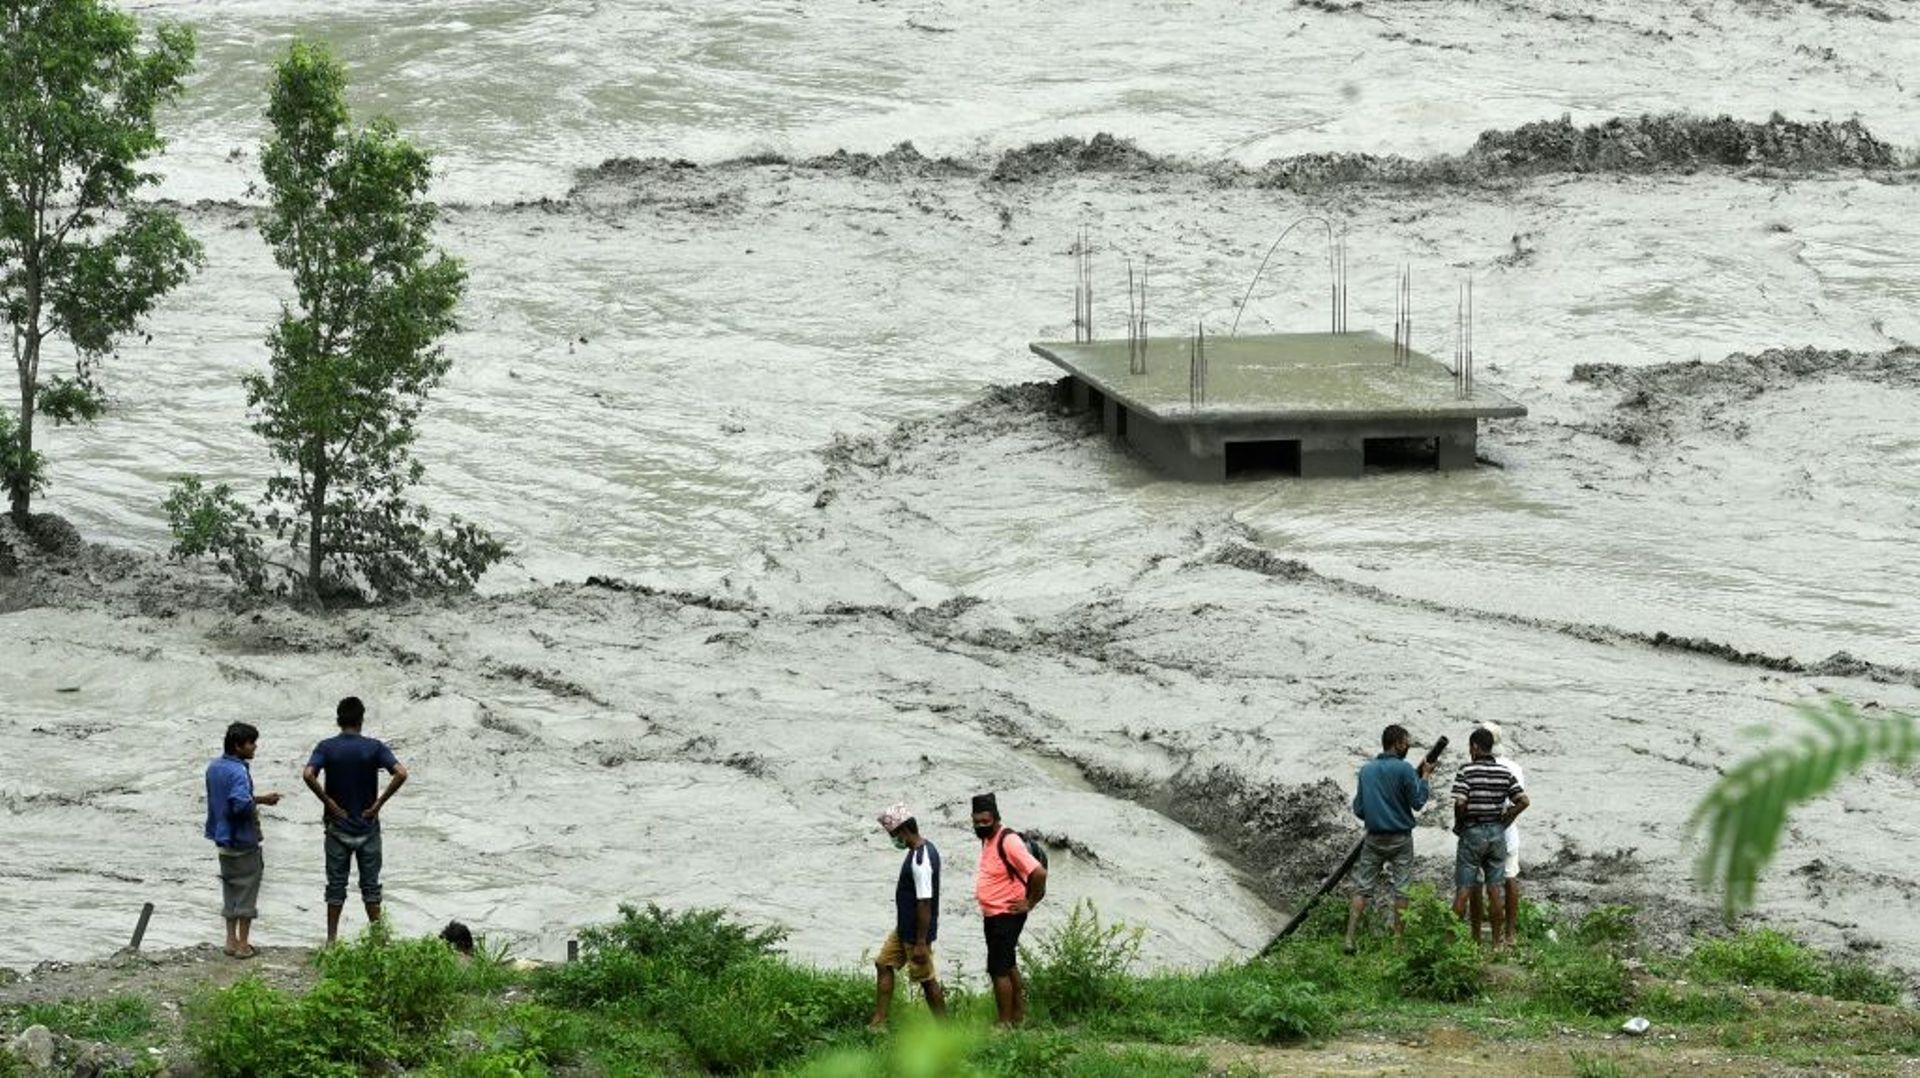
(79, 258)
(351, 363)
(1745, 813)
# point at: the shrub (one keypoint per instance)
(1438, 959)
(1581, 981)
(249, 1030)
(700, 941)
(414, 984)
(338, 1022)
(646, 956)
(490, 968)
(1855, 980)
(1081, 967)
(493, 1063)
(1537, 919)
(1765, 958)
(1279, 1013)
(377, 1001)
(1611, 927)
(763, 1012)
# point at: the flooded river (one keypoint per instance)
(650, 370)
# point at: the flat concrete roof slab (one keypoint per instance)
(1283, 376)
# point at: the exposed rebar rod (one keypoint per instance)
(1333, 290)
(1459, 341)
(1343, 282)
(1406, 351)
(1469, 382)
(1197, 366)
(1137, 316)
(1147, 266)
(1083, 285)
(1133, 322)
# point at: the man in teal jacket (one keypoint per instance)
(1390, 791)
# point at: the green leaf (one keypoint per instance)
(1744, 815)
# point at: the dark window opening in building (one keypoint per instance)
(1402, 454)
(1255, 459)
(1119, 422)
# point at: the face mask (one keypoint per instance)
(899, 843)
(985, 832)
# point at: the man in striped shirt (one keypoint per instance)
(1487, 797)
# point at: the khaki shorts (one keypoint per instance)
(894, 954)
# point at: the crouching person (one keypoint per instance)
(916, 905)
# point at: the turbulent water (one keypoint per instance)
(651, 367)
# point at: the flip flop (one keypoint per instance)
(245, 954)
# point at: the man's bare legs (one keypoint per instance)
(882, 996)
(1513, 909)
(1358, 906)
(1010, 998)
(333, 918)
(238, 931)
(1465, 899)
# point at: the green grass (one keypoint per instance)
(673, 993)
(116, 1019)
(1769, 959)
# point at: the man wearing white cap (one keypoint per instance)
(916, 903)
(1512, 912)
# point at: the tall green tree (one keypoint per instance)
(351, 362)
(80, 259)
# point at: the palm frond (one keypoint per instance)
(1745, 813)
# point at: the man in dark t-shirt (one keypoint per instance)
(916, 918)
(352, 764)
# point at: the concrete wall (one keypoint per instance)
(1328, 449)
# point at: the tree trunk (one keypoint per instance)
(22, 496)
(316, 550)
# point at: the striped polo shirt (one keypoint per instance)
(1486, 785)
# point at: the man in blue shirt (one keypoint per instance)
(233, 825)
(1390, 791)
(352, 764)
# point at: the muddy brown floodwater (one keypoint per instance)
(801, 530)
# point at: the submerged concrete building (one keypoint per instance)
(1306, 404)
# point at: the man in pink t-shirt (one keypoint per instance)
(1008, 881)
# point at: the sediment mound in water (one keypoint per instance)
(1658, 400)
(1000, 408)
(1670, 142)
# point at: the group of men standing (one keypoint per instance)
(1008, 881)
(344, 774)
(1488, 796)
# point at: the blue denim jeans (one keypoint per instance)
(342, 848)
(1482, 856)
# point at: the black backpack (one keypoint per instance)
(1034, 847)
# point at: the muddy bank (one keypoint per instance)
(1659, 400)
(1629, 145)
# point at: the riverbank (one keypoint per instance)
(666, 993)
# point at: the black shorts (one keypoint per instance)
(1003, 942)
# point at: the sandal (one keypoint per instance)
(244, 953)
